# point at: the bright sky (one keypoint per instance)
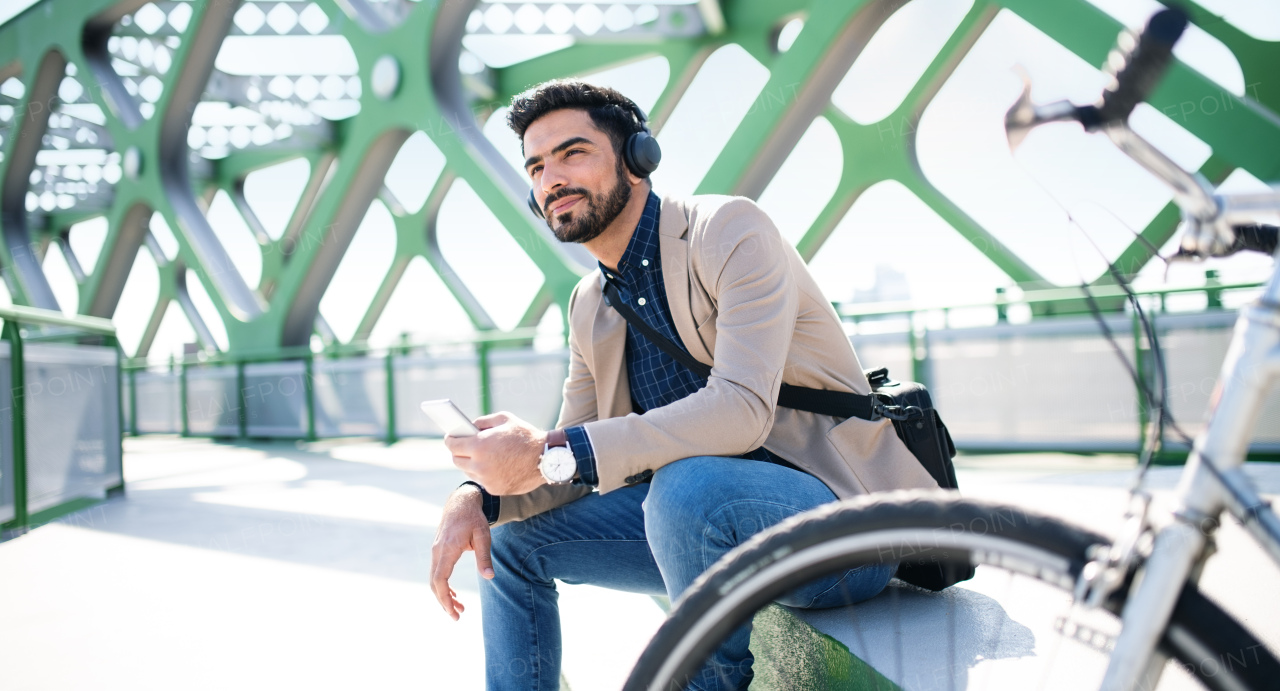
(1024, 200)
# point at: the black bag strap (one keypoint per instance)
(835, 403)
(613, 299)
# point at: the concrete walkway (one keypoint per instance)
(304, 566)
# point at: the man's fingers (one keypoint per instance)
(443, 561)
(445, 599)
(480, 541)
(463, 463)
(459, 446)
(487, 421)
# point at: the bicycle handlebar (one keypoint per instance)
(1136, 65)
(1255, 237)
(1258, 237)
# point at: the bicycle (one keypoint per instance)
(1130, 604)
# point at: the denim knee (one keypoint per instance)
(510, 547)
(503, 548)
(678, 494)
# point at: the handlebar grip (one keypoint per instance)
(1258, 238)
(1137, 66)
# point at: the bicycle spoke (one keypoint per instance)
(1057, 645)
(1005, 597)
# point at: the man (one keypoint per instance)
(687, 467)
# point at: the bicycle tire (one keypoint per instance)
(1205, 641)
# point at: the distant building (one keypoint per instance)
(890, 286)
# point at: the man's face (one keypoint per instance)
(578, 180)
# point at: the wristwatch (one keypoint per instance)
(558, 465)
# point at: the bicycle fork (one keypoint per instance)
(1179, 549)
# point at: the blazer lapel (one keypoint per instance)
(673, 226)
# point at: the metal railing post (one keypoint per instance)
(917, 342)
(241, 401)
(1140, 370)
(486, 396)
(1213, 293)
(308, 389)
(182, 394)
(391, 395)
(133, 402)
(17, 392)
(119, 489)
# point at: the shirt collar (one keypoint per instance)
(643, 246)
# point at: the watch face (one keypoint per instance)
(558, 465)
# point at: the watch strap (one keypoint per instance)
(556, 437)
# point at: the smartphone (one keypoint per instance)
(449, 419)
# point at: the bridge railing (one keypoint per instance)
(1055, 382)
(1051, 382)
(60, 422)
(349, 390)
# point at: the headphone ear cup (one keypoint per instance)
(533, 206)
(642, 154)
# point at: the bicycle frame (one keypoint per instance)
(1213, 478)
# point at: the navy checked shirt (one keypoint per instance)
(655, 377)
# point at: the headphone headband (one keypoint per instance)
(641, 117)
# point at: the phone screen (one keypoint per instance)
(449, 418)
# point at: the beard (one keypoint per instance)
(593, 214)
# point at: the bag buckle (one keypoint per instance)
(894, 412)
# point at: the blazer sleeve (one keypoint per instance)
(740, 259)
(578, 407)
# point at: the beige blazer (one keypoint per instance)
(743, 302)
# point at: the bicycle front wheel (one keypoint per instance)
(1014, 626)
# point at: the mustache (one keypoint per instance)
(561, 194)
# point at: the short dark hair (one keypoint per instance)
(610, 111)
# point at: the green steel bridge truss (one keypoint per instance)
(117, 83)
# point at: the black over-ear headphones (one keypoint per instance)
(640, 152)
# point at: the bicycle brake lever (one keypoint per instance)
(1024, 116)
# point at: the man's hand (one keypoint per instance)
(463, 528)
(503, 457)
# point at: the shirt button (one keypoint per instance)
(641, 302)
(644, 262)
(609, 275)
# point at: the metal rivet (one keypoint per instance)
(385, 78)
(132, 163)
(641, 302)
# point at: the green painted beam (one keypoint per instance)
(823, 41)
(1244, 132)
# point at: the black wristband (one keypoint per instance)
(491, 504)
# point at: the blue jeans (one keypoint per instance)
(654, 539)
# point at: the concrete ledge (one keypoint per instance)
(792, 655)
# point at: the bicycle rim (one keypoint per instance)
(1013, 626)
